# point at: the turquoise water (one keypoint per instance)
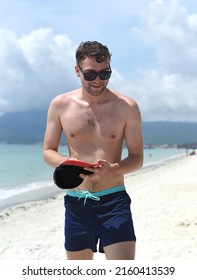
(22, 167)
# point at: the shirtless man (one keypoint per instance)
(96, 121)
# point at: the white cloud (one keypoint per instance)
(34, 68)
(192, 22)
(168, 92)
(163, 97)
(160, 49)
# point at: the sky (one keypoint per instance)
(153, 45)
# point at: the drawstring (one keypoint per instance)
(86, 195)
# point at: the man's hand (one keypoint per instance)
(105, 169)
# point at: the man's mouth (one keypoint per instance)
(97, 86)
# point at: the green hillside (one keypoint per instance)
(28, 127)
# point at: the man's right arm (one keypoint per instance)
(53, 135)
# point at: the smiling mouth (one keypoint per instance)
(97, 86)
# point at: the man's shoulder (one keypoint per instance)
(64, 98)
(125, 100)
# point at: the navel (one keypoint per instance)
(91, 123)
(112, 136)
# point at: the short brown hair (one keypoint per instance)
(92, 49)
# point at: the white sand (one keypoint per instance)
(164, 210)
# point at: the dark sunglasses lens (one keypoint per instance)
(104, 75)
(90, 76)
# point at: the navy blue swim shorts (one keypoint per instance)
(103, 217)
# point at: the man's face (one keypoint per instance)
(89, 67)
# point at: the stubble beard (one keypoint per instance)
(95, 92)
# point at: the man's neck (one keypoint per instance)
(95, 99)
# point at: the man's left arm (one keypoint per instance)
(133, 140)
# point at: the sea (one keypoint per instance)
(22, 168)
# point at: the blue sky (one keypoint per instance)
(153, 45)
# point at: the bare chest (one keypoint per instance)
(103, 124)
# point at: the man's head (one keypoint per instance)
(92, 49)
(93, 67)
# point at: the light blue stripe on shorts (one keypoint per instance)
(94, 195)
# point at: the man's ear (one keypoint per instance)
(77, 70)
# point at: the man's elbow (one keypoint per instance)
(140, 161)
(44, 155)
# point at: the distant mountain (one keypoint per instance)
(169, 133)
(29, 127)
(23, 127)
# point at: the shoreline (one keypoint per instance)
(163, 208)
(30, 196)
(47, 192)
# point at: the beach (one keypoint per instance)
(163, 207)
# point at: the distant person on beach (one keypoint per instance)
(96, 122)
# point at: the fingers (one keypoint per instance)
(96, 169)
(92, 169)
(83, 176)
(104, 162)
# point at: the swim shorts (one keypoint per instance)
(103, 217)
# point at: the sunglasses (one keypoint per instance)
(91, 75)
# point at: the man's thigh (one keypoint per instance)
(86, 254)
(120, 251)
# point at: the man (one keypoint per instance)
(96, 121)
